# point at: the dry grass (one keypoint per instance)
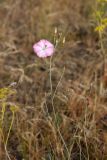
(71, 122)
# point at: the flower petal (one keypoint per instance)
(42, 54)
(36, 48)
(42, 43)
(49, 44)
(49, 51)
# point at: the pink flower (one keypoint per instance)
(43, 48)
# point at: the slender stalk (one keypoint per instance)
(5, 144)
(102, 48)
(51, 88)
(9, 130)
(3, 112)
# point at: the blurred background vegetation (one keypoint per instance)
(71, 124)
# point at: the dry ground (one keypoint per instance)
(71, 122)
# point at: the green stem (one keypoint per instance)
(3, 112)
(51, 75)
(9, 130)
(102, 48)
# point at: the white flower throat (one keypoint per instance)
(45, 46)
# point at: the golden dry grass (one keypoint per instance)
(71, 123)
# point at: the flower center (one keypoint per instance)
(45, 46)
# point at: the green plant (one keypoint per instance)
(101, 25)
(4, 94)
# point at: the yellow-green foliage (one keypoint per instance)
(100, 1)
(102, 25)
(5, 92)
(14, 108)
(101, 15)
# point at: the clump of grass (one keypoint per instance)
(5, 129)
(73, 133)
